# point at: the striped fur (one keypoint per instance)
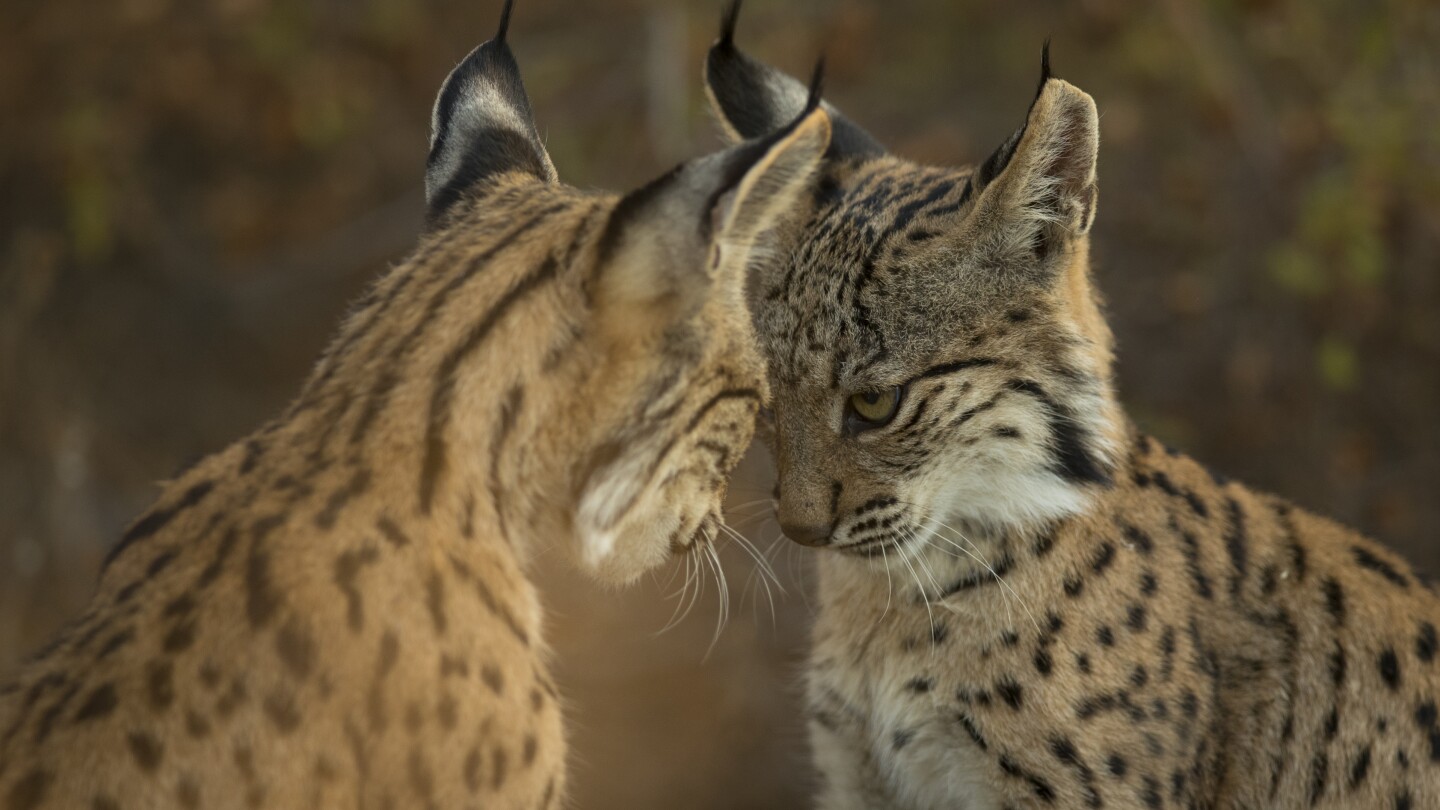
(334, 611)
(1032, 604)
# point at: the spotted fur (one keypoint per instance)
(334, 611)
(1024, 602)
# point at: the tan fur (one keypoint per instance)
(334, 612)
(1023, 602)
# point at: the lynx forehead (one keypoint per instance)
(1024, 602)
(334, 611)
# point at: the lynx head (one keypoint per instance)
(935, 348)
(646, 377)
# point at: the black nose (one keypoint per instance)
(806, 534)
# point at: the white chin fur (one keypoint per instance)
(1004, 499)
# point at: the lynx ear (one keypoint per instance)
(1040, 183)
(699, 226)
(482, 126)
(751, 98)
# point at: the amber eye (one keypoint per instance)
(872, 409)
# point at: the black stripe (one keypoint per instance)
(442, 395)
(722, 396)
(509, 411)
(158, 519)
(1073, 459)
(389, 376)
(1236, 542)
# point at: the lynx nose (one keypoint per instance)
(806, 534)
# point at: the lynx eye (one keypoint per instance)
(872, 409)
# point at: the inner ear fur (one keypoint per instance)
(670, 243)
(1045, 189)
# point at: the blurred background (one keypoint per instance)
(190, 194)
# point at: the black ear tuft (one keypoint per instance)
(1000, 158)
(728, 19)
(817, 87)
(510, 5)
(753, 99)
(1045, 74)
(482, 125)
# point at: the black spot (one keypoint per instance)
(1337, 665)
(435, 600)
(159, 684)
(101, 702)
(1334, 600)
(1367, 559)
(1150, 794)
(1139, 539)
(158, 519)
(1360, 768)
(970, 729)
(283, 711)
(296, 648)
(1403, 801)
(1135, 618)
(1148, 584)
(1117, 765)
(1425, 642)
(1236, 543)
(472, 770)
(1103, 558)
(1319, 771)
(1389, 666)
(346, 570)
(498, 764)
(392, 533)
(1043, 664)
(261, 598)
(493, 679)
(30, 791)
(920, 686)
(1074, 586)
(902, 738)
(1011, 692)
(446, 713)
(115, 642)
(160, 563)
(147, 751)
(1196, 505)
(180, 638)
(1105, 636)
(1425, 714)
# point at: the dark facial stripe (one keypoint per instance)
(1074, 460)
(958, 365)
(442, 395)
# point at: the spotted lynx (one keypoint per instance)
(334, 612)
(1023, 602)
